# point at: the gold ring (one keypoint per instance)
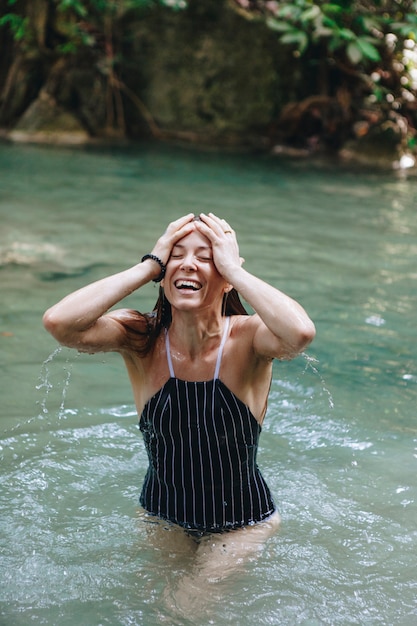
(226, 232)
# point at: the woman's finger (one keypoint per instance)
(218, 225)
(175, 231)
(179, 223)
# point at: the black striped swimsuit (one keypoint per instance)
(202, 443)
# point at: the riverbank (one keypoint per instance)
(350, 154)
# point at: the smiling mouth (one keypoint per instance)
(190, 285)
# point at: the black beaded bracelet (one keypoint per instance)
(160, 263)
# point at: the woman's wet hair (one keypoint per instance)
(143, 329)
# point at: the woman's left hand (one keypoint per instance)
(224, 244)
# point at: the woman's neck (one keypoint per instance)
(195, 334)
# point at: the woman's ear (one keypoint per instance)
(228, 288)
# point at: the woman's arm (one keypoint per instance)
(284, 329)
(81, 320)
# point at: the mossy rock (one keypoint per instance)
(47, 122)
(381, 146)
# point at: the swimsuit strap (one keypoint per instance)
(168, 351)
(219, 354)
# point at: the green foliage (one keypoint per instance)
(374, 44)
(354, 28)
(94, 13)
(17, 24)
(76, 6)
(340, 26)
(100, 16)
(408, 28)
(86, 7)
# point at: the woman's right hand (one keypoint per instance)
(175, 231)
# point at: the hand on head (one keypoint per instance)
(224, 243)
(220, 234)
(175, 231)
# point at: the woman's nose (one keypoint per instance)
(188, 263)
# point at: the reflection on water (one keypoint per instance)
(339, 444)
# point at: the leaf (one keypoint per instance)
(280, 27)
(73, 5)
(18, 24)
(330, 8)
(289, 11)
(322, 31)
(310, 14)
(369, 51)
(67, 48)
(411, 18)
(330, 23)
(371, 24)
(347, 34)
(354, 53)
(297, 37)
(409, 32)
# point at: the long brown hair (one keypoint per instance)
(143, 329)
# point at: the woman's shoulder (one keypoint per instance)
(243, 331)
(243, 327)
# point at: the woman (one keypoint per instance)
(200, 370)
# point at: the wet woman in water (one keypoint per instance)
(200, 369)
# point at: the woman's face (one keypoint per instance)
(192, 281)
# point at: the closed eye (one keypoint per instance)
(199, 257)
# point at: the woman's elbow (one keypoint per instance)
(54, 325)
(301, 337)
(306, 333)
(49, 321)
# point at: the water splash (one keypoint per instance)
(45, 383)
(311, 363)
(45, 379)
(68, 372)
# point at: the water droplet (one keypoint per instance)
(311, 363)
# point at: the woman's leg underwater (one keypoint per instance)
(218, 556)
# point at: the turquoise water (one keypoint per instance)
(339, 444)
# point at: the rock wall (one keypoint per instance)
(218, 80)
(204, 74)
